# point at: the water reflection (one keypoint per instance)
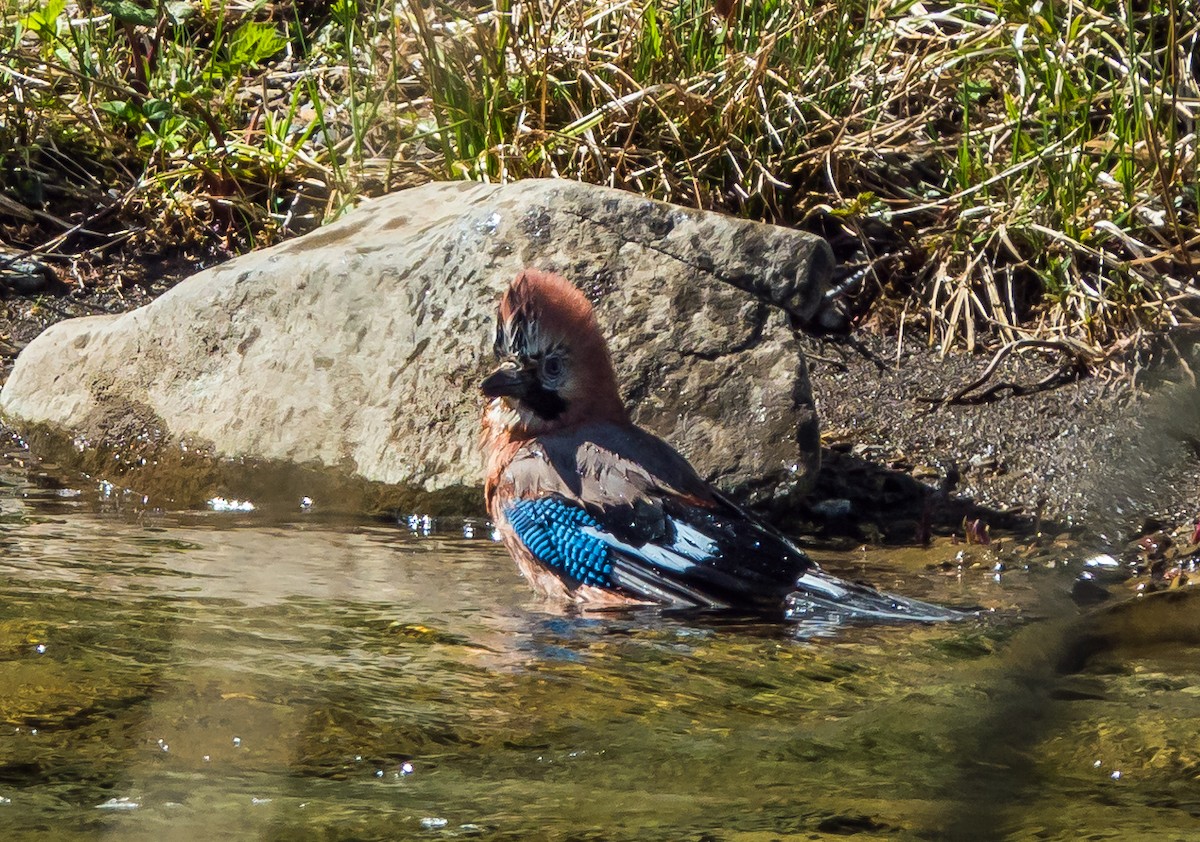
(229, 675)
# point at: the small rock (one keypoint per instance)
(831, 509)
(26, 276)
(122, 804)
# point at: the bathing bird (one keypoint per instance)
(599, 512)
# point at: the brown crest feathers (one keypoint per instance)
(552, 300)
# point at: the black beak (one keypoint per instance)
(508, 382)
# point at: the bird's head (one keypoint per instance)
(554, 369)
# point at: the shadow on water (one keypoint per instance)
(245, 676)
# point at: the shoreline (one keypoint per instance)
(1094, 453)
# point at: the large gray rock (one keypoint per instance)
(360, 347)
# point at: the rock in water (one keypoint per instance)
(359, 347)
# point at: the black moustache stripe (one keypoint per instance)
(545, 404)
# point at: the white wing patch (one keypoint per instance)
(658, 556)
(689, 547)
(691, 542)
(823, 584)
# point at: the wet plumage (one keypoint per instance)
(597, 511)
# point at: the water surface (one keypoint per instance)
(206, 675)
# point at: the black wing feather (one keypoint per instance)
(674, 539)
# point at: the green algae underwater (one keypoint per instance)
(241, 675)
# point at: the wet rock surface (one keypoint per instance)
(359, 348)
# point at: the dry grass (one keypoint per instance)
(985, 169)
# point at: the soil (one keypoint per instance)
(1112, 454)
(124, 283)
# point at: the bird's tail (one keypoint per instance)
(825, 600)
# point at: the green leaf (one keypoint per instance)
(178, 10)
(651, 33)
(127, 11)
(156, 109)
(344, 12)
(123, 111)
(115, 107)
(43, 21)
(253, 43)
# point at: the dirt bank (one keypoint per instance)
(1112, 452)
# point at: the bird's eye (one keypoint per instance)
(552, 367)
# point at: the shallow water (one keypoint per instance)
(238, 676)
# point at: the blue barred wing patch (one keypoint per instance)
(562, 537)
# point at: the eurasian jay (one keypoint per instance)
(599, 512)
